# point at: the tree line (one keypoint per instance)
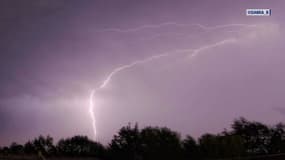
(245, 138)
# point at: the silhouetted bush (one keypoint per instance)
(16, 148)
(80, 146)
(259, 138)
(190, 148)
(160, 143)
(148, 143)
(126, 144)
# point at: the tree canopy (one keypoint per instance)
(245, 138)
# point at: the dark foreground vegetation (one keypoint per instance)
(245, 140)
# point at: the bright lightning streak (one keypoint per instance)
(115, 71)
(91, 111)
(135, 63)
(203, 48)
(194, 52)
(109, 78)
(112, 74)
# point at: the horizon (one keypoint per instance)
(230, 131)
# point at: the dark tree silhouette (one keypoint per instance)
(80, 146)
(277, 140)
(16, 148)
(190, 148)
(5, 151)
(209, 145)
(160, 143)
(29, 148)
(43, 145)
(126, 144)
(256, 136)
(246, 138)
(149, 143)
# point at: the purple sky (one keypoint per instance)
(54, 52)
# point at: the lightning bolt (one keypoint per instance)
(190, 52)
(155, 26)
(108, 79)
(91, 111)
(206, 47)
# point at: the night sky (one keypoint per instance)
(53, 53)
